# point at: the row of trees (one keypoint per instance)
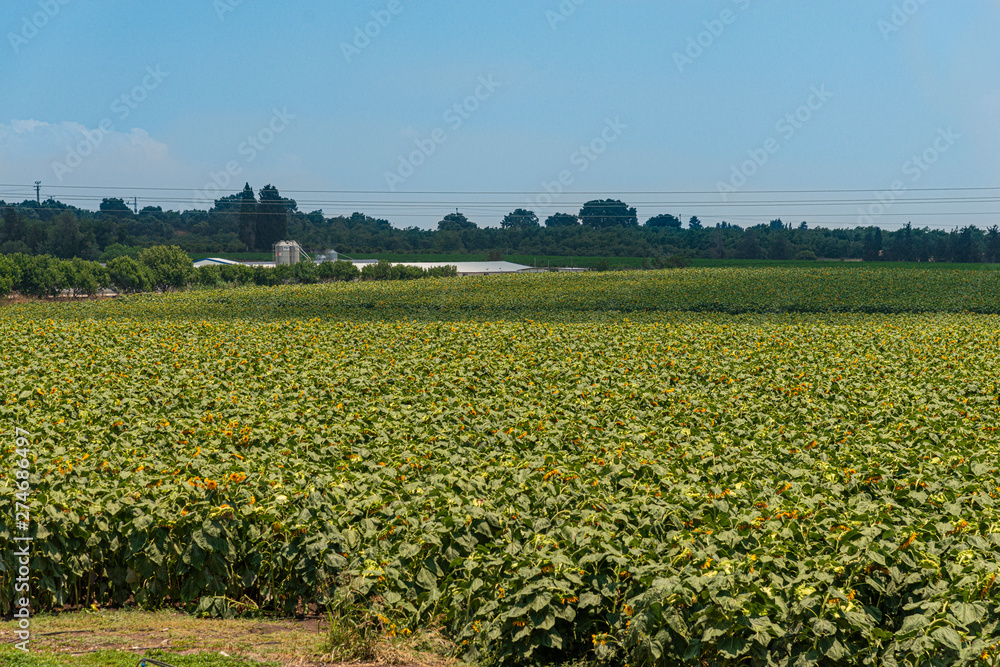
(249, 221)
(163, 268)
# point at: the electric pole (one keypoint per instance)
(135, 205)
(38, 192)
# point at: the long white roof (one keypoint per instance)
(213, 261)
(472, 267)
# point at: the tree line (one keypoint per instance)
(250, 221)
(165, 268)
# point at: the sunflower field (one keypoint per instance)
(547, 467)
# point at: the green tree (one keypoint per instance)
(780, 249)
(65, 238)
(380, 271)
(119, 250)
(562, 220)
(749, 246)
(664, 220)
(455, 222)
(405, 272)
(38, 275)
(604, 213)
(168, 266)
(13, 229)
(901, 245)
(966, 244)
(520, 219)
(449, 271)
(272, 218)
(9, 275)
(115, 208)
(84, 277)
(872, 245)
(306, 272)
(993, 244)
(248, 218)
(339, 271)
(127, 276)
(695, 223)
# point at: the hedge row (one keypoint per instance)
(161, 268)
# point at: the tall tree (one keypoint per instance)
(993, 244)
(272, 218)
(13, 225)
(248, 218)
(520, 219)
(603, 213)
(562, 220)
(115, 208)
(455, 222)
(872, 245)
(718, 249)
(695, 223)
(749, 246)
(779, 246)
(664, 220)
(65, 238)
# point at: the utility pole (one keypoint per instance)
(135, 205)
(38, 192)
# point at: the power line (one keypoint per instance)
(531, 192)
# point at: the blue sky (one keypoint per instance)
(729, 100)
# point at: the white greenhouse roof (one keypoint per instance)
(213, 261)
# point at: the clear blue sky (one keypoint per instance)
(659, 113)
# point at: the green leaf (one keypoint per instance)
(948, 636)
(426, 579)
(733, 647)
(966, 612)
(912, 623)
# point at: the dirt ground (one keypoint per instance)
(290, 643)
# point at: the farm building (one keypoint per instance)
(472, 268)
(213, 261)
(290, 252)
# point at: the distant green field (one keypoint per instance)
(762, 263)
